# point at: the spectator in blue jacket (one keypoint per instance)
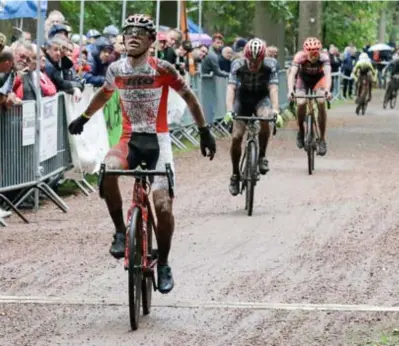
(348, 62)
(99, 60)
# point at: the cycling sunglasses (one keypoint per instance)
(135, 31)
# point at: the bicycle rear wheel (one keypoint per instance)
(309, 143)
(135, 268)
(148, 278)
(392, 102)
(386, 97)
(251, 172)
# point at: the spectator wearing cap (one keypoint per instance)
(111, 32)
(238, 48)
(58, 29)
(56, 64)
(225, 59)
(92, 35)
(211, 62)
(99, 60)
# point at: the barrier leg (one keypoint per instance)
(179, 144)
(48, 191)
(12, 206)
(25, 196)
(3, 223)
(81, 187)
(89, 186)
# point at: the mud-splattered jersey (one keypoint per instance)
(254, 82)
(308, 69)
(143, 93)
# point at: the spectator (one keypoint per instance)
(57, 65)
(7, 76)
(25, 85)
(182, 62)
(173, 37)
(211, 62)
(199, 53)
(119, 48)
(225, 59)
(26, 36)
(83, 67)
(99, 60)
(92, 35)
(58, 29)
(272, 52)
(335, 62)
(54, 17)
(111, 32)
(347, 67)
(166, 52)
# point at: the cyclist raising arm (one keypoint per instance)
(314, 73)
(252, 89)
(143, 84)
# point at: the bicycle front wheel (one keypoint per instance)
(309, 143)
(251, 173)
(149, 278)
(135, 268)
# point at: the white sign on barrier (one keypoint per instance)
(176, 107)
(28, 123)
(89, 148)
(48, 128)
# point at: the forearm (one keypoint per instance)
(98, 101)
(231, 88)
(291, 77)
(273, 90)
(327, 73)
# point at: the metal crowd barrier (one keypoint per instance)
(20, 169)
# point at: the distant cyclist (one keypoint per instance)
(143, 83)
(393, 67)
(252, 89)
(311, 70)
(364, 67)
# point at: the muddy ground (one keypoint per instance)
(330, 238)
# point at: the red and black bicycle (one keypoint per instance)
(140, 256)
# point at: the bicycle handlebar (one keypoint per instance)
(236, 117)
(138, 173)
(312, 97)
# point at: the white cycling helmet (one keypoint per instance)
(255, 49)
(364, 57)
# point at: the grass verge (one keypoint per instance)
(388, 338)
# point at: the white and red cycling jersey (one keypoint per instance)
(143, 93)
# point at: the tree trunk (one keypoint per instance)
(382, 26)
(393, 37)
(168, 14)
(310, 20)
(270, 28)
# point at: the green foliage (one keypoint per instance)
(351, 21)
(99, 14)
(344, 21)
